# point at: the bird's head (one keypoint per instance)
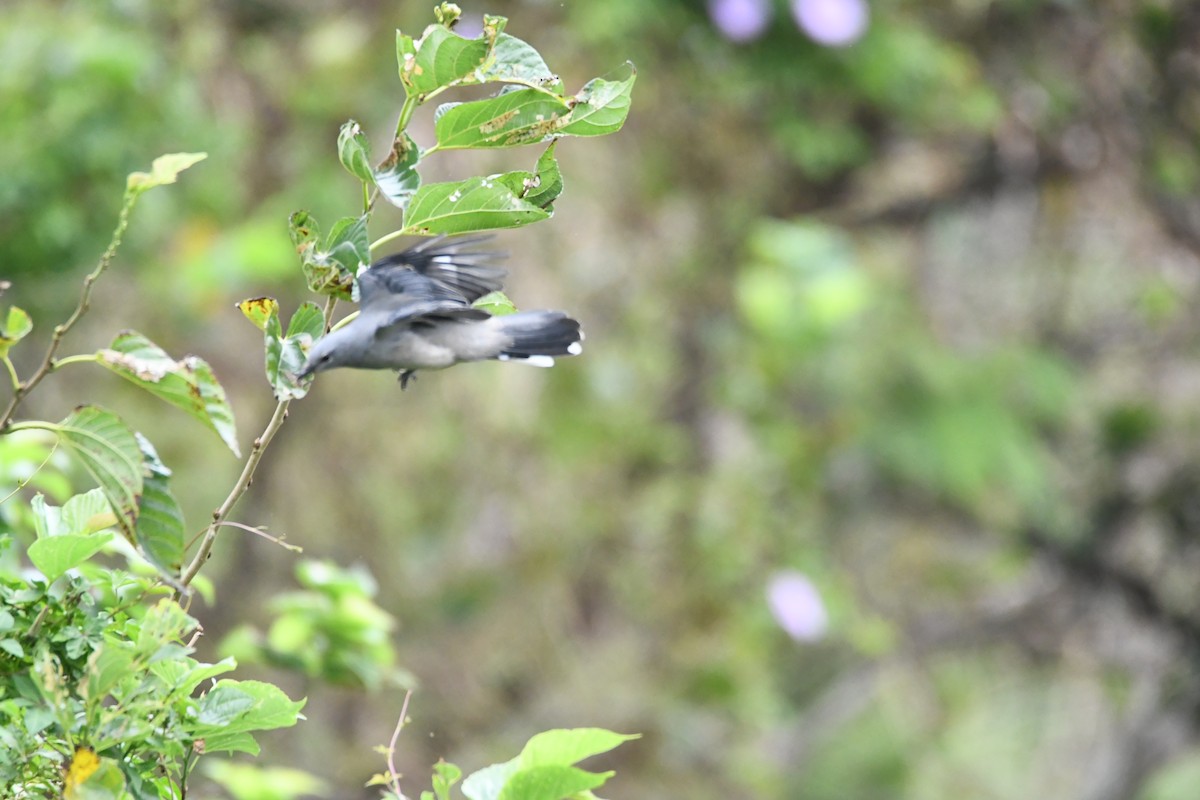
(322, 355)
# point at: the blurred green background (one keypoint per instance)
(879, 476)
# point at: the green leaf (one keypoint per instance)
(445, 775)
(480, 204)
(223, 705)
(54, 555)
(16, 327)
(160, 529)
(509, 119)
(549, 181)
(354, 151)
(601, 106)
(165, 169)
(442, 58)
(86, 513)
(515, 61)
(329, 273)
(188, 384)
(108, 450)
(348, 244)
(551, 782)
(285, 353)
(107, 666)
(268, 708)
(495, 303)
(259, 310)
(569, 745)
(12, 647)
(397, 176)
(487, 783)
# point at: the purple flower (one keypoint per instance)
(740, 20)
(835, 23)
(796, 606)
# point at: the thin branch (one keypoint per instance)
(295, 548)
(239, 488)
(48, 363)
(12, 373)
(391, 752)
(32, 475)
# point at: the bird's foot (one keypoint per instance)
(405, 376)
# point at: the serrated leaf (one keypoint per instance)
(160, 528)
(601, 106)
(223, 705)
(54, 555)
(569, 745)
(480, 204)
(268, 708)
(495, 303)
(551, 782)
(16, 327)
(354, 151)
(397, 176)
(188, 384)
(509, 119)
(164, 170)
(108, 450)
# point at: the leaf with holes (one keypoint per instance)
(602, 105)
(510, 119)
(397, 176)
(354, 151)
(188, 384)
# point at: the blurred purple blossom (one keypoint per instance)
(740, 20)
(836, 23)
(797, 606)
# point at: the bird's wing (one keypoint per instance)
(397, 286)
(435, 269)
(398, 310)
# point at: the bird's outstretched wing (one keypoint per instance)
(432, 271)
(399, 310)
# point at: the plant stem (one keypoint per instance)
(239, 488)
(406, 111)
(387, 237)
(20, 390)
(83, 358)
(12, 373)
(391, 751)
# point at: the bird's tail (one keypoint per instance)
(539, 336)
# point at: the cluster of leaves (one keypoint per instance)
(99, 694)
(331, 630)
(545, 769)
(98, 688)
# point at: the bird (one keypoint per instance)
(416, 313)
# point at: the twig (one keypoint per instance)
(48, 364)
(244, 480)
(391, 752)
(32, 475)
(239, 488)
(295, 548)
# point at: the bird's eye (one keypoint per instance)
(325, 358)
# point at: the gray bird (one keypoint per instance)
(415, 313)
